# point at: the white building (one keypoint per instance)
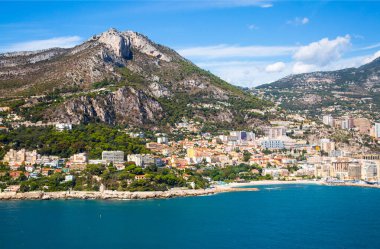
(63, 126)
(272, 144)
(141, 160)
(377, 130)
(328, 120)
(162, 140)
(275, 132)
(113, 156)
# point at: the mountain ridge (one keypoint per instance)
(344, 90)
(120, 78)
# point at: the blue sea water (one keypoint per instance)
(287, 216)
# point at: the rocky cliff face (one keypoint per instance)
(125, 105)
(118, 78)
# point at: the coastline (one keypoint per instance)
(271, 182)
(119, 195)
(171, 193)
(277, 182)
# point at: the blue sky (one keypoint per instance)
(246, 42)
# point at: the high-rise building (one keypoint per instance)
(328, 120)
(347, 123)
(327, 145)
(377, 130)
(243, 135)
(274, 132)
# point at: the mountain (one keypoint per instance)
(354, 90)
(119, 78)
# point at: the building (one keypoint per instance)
(12, 188)
(69, 178)
(369, 170)
(327, 145)
(328, 120)
(272, 144)
(113, 156)
(347, 123)
(376, 129)
(363, 125)
(139, 177)
(21, 157)
(339, 168)
(354, 171)
(242, 136)
(274, 132)
(63, 126)
(141, 160)
(5, 109)
(78, 161)
(162, 140)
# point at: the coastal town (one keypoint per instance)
(332, 150)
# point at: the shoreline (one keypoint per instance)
(277, 182)
(271, 182)
(171, 193)
(119, 195)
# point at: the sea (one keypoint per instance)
(277, 216)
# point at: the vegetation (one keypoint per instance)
(92, 138)
(231, 173)
(154, 179)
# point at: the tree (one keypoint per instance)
(246, 156)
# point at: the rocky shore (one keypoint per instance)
(117, 195)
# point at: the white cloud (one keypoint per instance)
(255, 65)
(369, 47)
(372, 57)
(230, 51)
(243, 73)
(61, 42)
(236, 3)
(299, 21)
(266, 5)
(252, 27)
(275, 67)
(324, 51)
(300, 67)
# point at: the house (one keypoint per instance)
(15, 174)
(140, 177)
(77, 161)
(119, 166)
(69, 178)
(63, 126)
(12, 188)
(29, 168)
(46, 171)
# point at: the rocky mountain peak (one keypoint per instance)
(116, 42)
(120, 43)
(146, 46)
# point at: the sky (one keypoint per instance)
(245, 42)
